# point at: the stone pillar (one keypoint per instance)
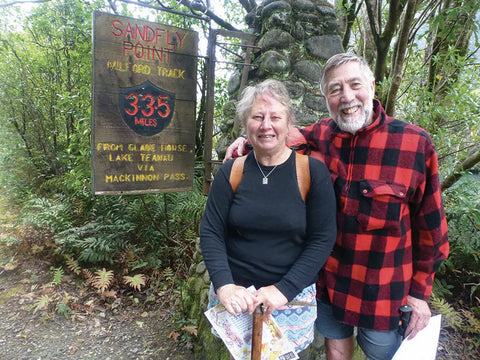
(296, 37)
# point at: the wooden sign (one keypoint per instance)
(144, 82)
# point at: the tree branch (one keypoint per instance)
(210, 14)
(23, 2)
(466, 164)
(371, 22)
(248, 5)
(350, 16)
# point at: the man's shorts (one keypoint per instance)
(377, 345)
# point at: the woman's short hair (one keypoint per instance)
(268, 88)
(340, 59)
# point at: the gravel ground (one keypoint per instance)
(93, 330)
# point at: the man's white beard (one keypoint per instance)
(354, 124)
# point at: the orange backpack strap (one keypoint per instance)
(237, 172)
(303, 174)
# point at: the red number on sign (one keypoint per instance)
(149, 105)
(162, 102)
(133, 103)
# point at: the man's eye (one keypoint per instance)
(334, 91)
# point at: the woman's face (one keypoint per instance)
(267, 125)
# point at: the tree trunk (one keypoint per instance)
(399, 59)
(384, 38)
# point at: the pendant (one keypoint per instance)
(265, 181)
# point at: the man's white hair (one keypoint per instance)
(340, 59)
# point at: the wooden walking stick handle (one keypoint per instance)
(257, 333)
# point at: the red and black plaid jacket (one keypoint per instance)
(392, 231)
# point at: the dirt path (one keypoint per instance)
(122, 329)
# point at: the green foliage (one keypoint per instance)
(49, 92)
(462, 207)
(463, 322)
(57, 275)
(49, 214)
(64, 309)
(95, 242)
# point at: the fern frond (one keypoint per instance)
(450, 315)
(89, 277)
(63, 309)
(73, 265)
(473, 324)
(57, 275)
(42, 303)
(168, 276)
(109, 294)
(191, 329)
(103, 279)
(127, 257)
(135, 282)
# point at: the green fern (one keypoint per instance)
(136, 281)
(449, 314)
(168, 277)
(63, 309)
(57, 276)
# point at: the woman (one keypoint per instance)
(264, 234)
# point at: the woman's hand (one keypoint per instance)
(236, 299)
(271, 298)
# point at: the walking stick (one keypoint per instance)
(257, 333)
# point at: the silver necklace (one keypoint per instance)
(265, 177)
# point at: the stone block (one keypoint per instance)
(324, 47)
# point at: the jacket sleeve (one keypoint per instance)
(213, 228)
(430, 245)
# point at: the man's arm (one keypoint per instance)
(235, 149)
(429, 244)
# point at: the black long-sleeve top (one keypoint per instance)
(266, 234)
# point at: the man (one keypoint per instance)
(392, 231)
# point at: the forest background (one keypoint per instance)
(425, 54)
